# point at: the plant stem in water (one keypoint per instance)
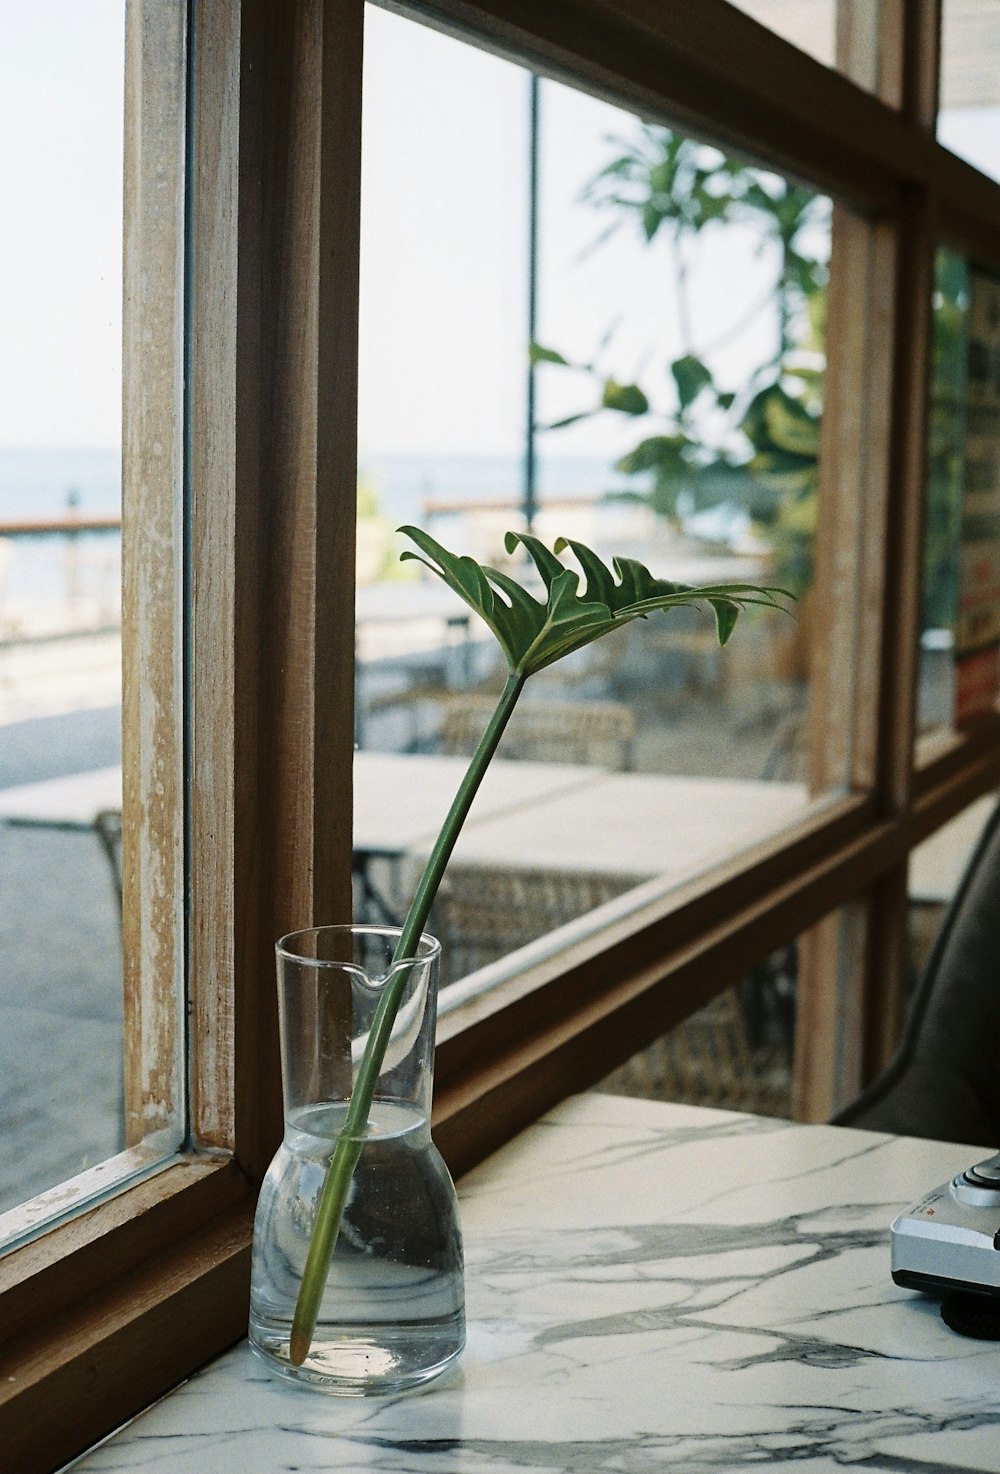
(350, 1141)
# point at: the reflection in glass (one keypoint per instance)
(676, 371)
(945, 478)
(61, 1045)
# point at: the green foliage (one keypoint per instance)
(538, 354)
(534, 633)
(785, 440)
(762, 451)
(691, 377)
(628, 399)
(666, 181)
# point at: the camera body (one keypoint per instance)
(950, 1239)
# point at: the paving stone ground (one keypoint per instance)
(60, 971)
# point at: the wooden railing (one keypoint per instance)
(67, 524)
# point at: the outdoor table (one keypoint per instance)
(69, 802)
(551, 815)
(634, 824)
(557, 816)
(649, 1287)
(401, 799)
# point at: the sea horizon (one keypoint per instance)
(44, 481)
(40, 480)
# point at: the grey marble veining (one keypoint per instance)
(649, 1287)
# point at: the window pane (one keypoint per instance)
(62, 1045)
(678, 325)
(945, 476)
(958, 658)
(969, 115)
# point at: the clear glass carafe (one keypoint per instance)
(393, 1309)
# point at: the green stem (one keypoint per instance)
(347, 1151)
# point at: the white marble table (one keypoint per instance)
(649, 1287)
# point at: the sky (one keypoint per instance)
(444, 246)
(444, 258)
(61, 108)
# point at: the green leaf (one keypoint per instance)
(538, 354)
(791, 426)
(627, 398)
(691, 377)
(652, 454)
(534, 633)
(774, 421)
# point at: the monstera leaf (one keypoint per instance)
(533, 633)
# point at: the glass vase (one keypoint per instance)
(392, 1313)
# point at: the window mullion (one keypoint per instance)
(273, 497)
(152, 733)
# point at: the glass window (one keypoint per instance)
(969, 114)
(78, 1034)
(945, 478)
(959, 644)
(61, 1020)
(644, 373)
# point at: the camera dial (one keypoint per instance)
(979, 1186)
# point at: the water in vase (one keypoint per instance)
(392, 1313)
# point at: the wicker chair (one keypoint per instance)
(598, 733)
(725, 1055)
(711, 1059)
(483, 912)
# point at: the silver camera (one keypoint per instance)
(950, 1239)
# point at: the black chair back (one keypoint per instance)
(944, 1082)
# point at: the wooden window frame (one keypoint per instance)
(102, 1314)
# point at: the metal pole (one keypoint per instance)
(529, 494)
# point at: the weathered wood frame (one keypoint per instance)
(101, 1315)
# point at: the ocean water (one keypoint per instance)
(44, 482)
(47, 482)
(404, 483)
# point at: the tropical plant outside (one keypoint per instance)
(754, 445)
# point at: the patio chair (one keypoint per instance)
(943, 1082)
(720, 1056)
(596, 733)
(108, 828)
(483, 912)
(711, 1059)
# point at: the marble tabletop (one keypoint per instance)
(649, 1287)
